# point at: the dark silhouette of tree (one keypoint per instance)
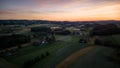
(53, 38)
(41, 31)
(47, 53)
(108, 29)
(42, 56)
(7, 41)
(82, 40)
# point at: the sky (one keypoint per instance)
(60, 10)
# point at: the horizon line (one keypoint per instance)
(58, 20)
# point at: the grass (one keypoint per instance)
(58, 50)
(113, 40)
(97, 58)
(74, 57)
(60, 54)
(6, 64)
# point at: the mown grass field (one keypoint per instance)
(59, 50)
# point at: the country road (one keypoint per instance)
(73, 57)
(97, 58)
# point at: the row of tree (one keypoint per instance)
(35, 60)
(62, 32)
(42, 31)
(108, 29)
(8, 41)
(107, 42)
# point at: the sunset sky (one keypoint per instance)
(60, 10)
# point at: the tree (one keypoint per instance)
(112, 42)
(108, 29)
(36, 43)
(53, 38)
(8, 41)
(41, 31)
(66, 32)
(19, 46)
(47, 53)
(42, 56)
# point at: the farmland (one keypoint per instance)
(59, 50)
(69, 48)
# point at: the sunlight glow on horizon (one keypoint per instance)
(73, 11)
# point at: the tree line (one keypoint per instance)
(35, 60)
(7, 41)
(103, 30)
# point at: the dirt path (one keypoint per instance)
(72, 58)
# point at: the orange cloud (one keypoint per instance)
(72, 10)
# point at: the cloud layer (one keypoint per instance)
(60, 9)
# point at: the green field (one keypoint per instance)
(114, 39)
(96, 58)
(99, 56)
(58, 51)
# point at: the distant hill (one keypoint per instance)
(29, 22)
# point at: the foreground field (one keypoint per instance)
(74, 57)
(92, 56)
(97, 58)
(6, 64)
(59, 50)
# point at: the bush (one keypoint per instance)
(33, 61)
